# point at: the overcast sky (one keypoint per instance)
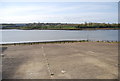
(62, 12)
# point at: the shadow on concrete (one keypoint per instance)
(10, 66)
(2, 49)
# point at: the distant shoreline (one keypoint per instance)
(68, 29)
(60, 26)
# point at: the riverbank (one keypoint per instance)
(78, 60)
(59, 41)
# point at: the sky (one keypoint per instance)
(58, 12)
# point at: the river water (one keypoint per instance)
(17, 36)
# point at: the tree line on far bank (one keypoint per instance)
(44, 26)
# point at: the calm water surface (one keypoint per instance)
(14, 36)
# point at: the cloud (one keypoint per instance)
(18, 10)
(52, 8)
(58, 12)
(83, 17)
(59, 0)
